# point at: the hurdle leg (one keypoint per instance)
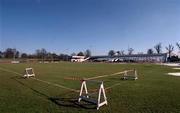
(83, 86)
(125, 75)
(135, 74)
(80, 94)
(99, 103)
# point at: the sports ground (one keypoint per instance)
(50, 91)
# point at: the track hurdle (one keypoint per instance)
(128, 76)
(86, 96)
(29, 72)
(124, 74)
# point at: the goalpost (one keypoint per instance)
(29, 72)
(100, 98)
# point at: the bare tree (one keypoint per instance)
(118, 53)
(24, 55)
(150, 51)
(41, 53)
(130, 51)
(122, 52)
(11, 53)
(87, 53)
(38, 53)
(49, 56)
(170, 49)
(1, 54)
(178, 45)
(111, 53)
(158, 48)
(73, 54)
(44, 53)
(80, 53)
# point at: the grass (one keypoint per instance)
(153, 92)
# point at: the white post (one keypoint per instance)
(125, 74)
(33, 72)
(136, 76)
(85, 87)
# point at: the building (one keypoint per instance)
(78, 59)
(132, 58)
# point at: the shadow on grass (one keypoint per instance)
(120, 79)
(63, 100)
(72, 102)
(17, 79)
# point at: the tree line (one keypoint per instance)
(157, 50)
(41, 54)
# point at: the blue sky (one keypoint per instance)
(66, 26)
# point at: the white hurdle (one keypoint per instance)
(86, 97)
(29, 72)
(134, 77)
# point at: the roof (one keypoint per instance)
(78, 57)
(133, 55)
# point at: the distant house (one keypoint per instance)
(78, 59)
(133, 58)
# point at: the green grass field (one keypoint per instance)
(153, 92)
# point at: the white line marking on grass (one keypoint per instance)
(174, 74)
(171, 64)
(57, 85)
(176, 68)
(64, 87)
(110, 87)
(3, 69)
(61, 86)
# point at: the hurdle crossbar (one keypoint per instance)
(102, 76)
